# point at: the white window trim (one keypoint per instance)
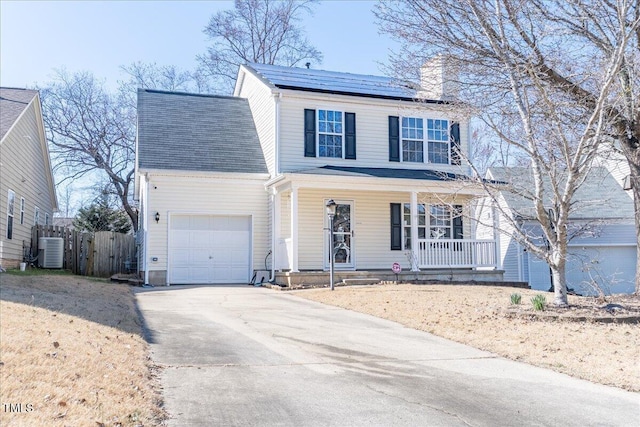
(342, 112)
(22, 205)
(11, 206)
(425, 140)
(36, 215)
(406, 225)
(450, 227)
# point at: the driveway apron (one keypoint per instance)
(245, 356)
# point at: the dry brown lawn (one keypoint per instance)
(483, 317)
(72, 353)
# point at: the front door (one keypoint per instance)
(342, 244)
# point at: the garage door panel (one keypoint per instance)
(180, 239)
(211, 249)
(180, 222)
(180, 257)
(200, 239)
(200, 222)
(238, 224)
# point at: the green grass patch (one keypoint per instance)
(38, 272)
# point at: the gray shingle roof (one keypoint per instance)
(334, 82)
(12, 104)
(205, 133)
(600, 196)
(422, 174)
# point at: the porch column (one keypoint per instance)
(415, 248)
(294, 229)
(276, 230)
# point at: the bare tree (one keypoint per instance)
(550, 77)
(164, 77)
(260, 31)
(91, 130)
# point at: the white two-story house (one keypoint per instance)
(232, 185)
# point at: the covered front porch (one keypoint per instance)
(420, 224)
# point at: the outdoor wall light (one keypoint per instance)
(331, 213)
(157, 217)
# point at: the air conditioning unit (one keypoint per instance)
(50, 252)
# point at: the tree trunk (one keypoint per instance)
(559, 282)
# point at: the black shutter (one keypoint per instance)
(396, 227)
(455, 143)
(394, 139)
(350, 136)
(309, 133)
(457, 222)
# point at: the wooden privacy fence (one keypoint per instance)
(99, 254)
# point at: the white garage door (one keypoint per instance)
(207, 249)
(612, 268)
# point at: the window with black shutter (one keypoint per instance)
(455, 144)
(309, 133)
(396, 226)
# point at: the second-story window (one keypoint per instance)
(330, 133)
(423, 140)
(438, 140)
(412, 137)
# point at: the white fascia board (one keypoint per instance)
(340, 182)
(210, 175)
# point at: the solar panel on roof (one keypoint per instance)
(332, 81)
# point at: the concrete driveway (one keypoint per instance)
(244, 356)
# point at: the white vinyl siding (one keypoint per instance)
(198, 195)
(263, 109)
(25, 171)
(372, 132)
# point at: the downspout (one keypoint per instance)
(145, 223)
(272, 279)
(277, 97)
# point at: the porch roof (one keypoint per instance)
(378, 179)
(422, 174)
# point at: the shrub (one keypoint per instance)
(538, 302)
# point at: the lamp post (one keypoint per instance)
(331, 213)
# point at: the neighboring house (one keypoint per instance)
(65, 222)
(602, 247)
(231, 185)
(27, 193)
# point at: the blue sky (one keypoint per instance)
(37, 37)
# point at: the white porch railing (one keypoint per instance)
(459, 253)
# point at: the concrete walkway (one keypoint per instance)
(244, 356)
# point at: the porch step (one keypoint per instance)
(361, 281)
